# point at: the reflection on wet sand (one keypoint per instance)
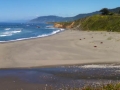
(67, 76)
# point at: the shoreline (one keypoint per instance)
(64, 65)
(22, 39)
(64, 48)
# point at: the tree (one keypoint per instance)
(104, 11)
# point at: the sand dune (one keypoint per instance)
(68, 47)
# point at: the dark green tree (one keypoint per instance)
(104, 11)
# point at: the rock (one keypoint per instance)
(101, 42)
(57, 25)
(68, 26)
(95, 46)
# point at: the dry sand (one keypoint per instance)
(68, 47)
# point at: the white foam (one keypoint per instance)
(16, 31)
(9, 33)
(50, 27)
(54, 32)
(62, 29)
(39, 36)
(100, 66)
(57, 31)
(3, 35)
(7, 28)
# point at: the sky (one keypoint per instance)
(29, 9)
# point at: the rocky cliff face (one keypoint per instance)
(70, 26)
(58, 25)
(64, 25)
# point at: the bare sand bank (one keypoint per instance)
(68, 47)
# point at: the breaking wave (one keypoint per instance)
(9, 33)
(50, 27)
(20, 39)
(17, 31)
(7, 28)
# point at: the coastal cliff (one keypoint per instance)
(93, 23)
(109, 21)
(66, 25)
(58, 25)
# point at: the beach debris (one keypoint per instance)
(95, 46)
(84, 38)
(80, 39)
(38, 26)
(92, 37)
(101, 42)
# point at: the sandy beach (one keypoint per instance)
(67, 47)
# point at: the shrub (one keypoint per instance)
(104, 11)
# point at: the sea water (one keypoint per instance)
(21, 31)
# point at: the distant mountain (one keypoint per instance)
(115, 10)
(52, 18)
(85, 15)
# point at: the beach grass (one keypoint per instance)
(104, 87)
(100, 87)
(110, 23)
(101, 23)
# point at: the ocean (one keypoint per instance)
(22, 31)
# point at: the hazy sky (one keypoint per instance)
(27, 9)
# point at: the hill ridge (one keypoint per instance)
(54, 18)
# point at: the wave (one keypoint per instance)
(62, 29)
(39, 36)
(54, 32)
(50, 27)
(7, 28)
(9, 33)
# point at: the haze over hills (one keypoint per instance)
(52, 18)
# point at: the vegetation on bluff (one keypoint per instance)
(101, 22)
(106, 21)
(96, 87)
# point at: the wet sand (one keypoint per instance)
(65, 48)
(11, 83)
(54, 78)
